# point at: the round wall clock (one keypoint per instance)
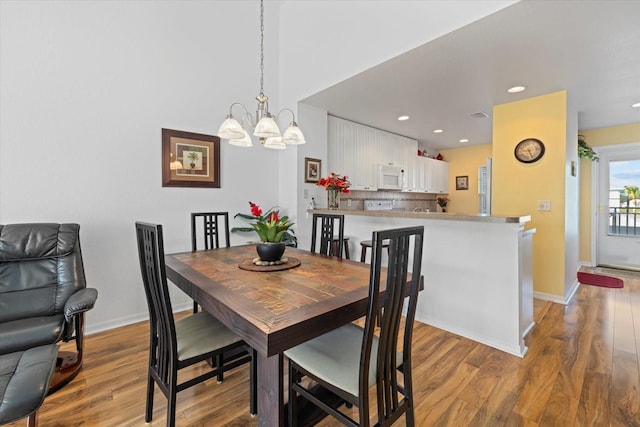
(529, 150)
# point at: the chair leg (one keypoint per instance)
(253, 383)
(219, 365)
(195, 307)
(171, 406)
(32, 421)
(293, 400)
(149, 411)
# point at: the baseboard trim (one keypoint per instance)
(555, 298)
(128, 320)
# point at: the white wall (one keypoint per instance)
(85, 88)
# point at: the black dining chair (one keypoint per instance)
(211, 231)
(349, 360)
(177, 344)
(330, 243)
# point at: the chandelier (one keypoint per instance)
(265, 126)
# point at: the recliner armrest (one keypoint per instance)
(81, 301)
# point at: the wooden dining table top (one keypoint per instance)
(273, 310)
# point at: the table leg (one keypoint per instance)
(270, 391)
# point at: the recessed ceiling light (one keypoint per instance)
(516, 89)
(636, 105)
(464, 140)
(438, 130)
(403, 118)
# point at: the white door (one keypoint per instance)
(618, 210)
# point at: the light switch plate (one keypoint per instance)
(544, 205)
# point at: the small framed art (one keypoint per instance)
(462, 182)
(190, 159)
(312, 170)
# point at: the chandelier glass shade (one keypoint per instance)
(265, 126)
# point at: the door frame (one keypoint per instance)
(595, 175)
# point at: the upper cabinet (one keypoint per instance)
(356, 151)
(352, 152)
(437, 176)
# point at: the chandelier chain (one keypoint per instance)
(261, 47)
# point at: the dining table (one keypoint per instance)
(273, 308)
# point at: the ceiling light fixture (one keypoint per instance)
(636, 105)
(438, 130)
(265, 127)
(464, 140)
(403, 118)
(516, 89)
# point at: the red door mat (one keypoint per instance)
(600, 280)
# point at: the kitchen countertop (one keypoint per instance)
(430, 215)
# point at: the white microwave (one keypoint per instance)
(390, 177)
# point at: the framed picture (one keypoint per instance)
(190, 159)
(462, 182)
(312, 170)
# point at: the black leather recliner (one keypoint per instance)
(43, 293)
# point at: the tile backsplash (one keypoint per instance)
(406, 201)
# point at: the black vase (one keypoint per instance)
(269, 251)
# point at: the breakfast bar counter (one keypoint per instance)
(446, 216)
(477, 271)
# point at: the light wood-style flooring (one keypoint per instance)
(582, 369)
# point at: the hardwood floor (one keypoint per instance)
(582, 369)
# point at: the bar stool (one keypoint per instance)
(365, 244)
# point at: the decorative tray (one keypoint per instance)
(248, 264)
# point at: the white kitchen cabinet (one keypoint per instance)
(336, 147)
(409, 163)
(364, 164)
(436, 176)
(353, 152)
(390, 148)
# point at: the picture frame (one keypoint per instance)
(312, 170)
(190, 159)
(462, 182)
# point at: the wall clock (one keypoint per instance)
(529, 150)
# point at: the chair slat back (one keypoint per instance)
(327, 231)
(163, 346)
(211, 229)
(405, 246)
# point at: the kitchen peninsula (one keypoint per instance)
(477, 271)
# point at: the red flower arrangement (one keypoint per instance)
(335, 182)
(442, 201)
(270, 226)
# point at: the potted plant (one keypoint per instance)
(584, 151)
(442, 202)
(273, 230)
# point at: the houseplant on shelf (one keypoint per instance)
(273, 230)
(442, 202)
(334, 184)
(584, 151)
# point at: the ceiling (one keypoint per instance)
(589, 48)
